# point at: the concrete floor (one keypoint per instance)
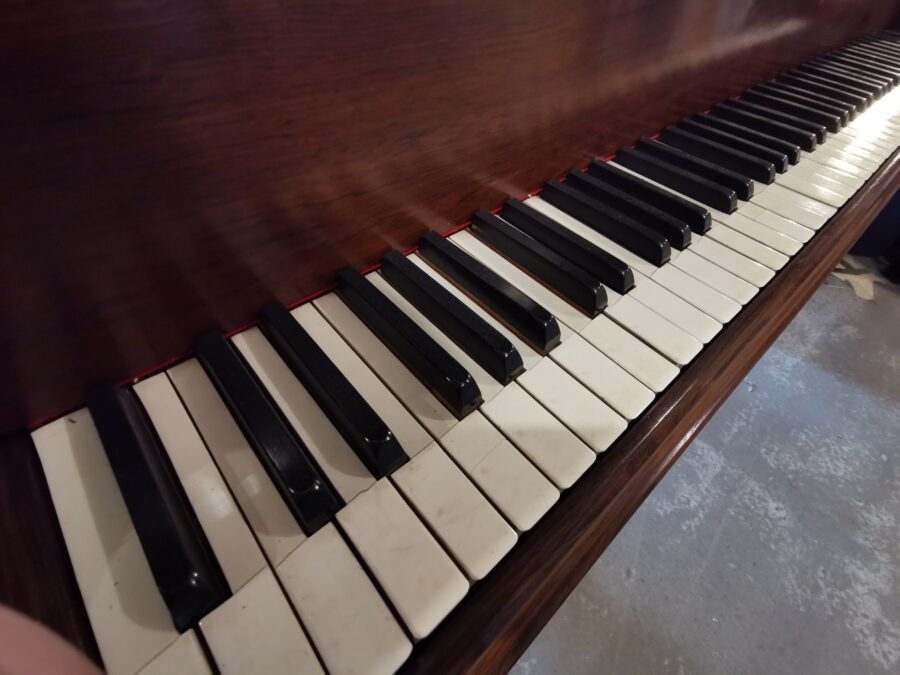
(773, 545)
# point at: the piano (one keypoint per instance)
(409, 467)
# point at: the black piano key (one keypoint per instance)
(722, 155)
(742, 185)
(486, 345)
(874, 65)
(791, 150)
(424, 357)
(637, 238)
(841, 78)
(184, 566)
(606, 267)
(675, 231)
(697, 217)
(843, 112)
(866, 68)
(876, 60)
(567, 279)
(824, 88)
(874, 54)
(309, 497)
(512, 307)
(365, 432)
(821, 78)
(831, 121)
(688, 184)
(852, 76)
(769, 112)
(806, 140)
(732, 141)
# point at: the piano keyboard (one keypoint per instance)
(317, 493)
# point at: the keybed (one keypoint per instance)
(335, 480)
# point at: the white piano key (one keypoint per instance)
(275, 528)
(255, 631)
(749, 248)
(648, 366)
(418, 577)
(351, 626)
(430, 412)
(821, 153)
(792, 205)
(579, 228)
(820, 161)
(574, 405)
(715, 304)
(716, 277)
(827, 176)
(603, 376)
(456, 512)
(510, 481)
(185, 656)
(566, 315)
(333, 455)
(488, 386)
(662, 335)
(412, 436)
(223, 524)
(763, 234)
(805, 185)
(530, 358)
(733, 261)
(129, 618)
(554, 449)
(784, 226)
(869, 144)
(679, 312)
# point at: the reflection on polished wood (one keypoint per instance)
(173, 167)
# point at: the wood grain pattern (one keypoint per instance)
(172, 167)
(499, 618)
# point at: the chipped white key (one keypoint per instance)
(130, 620)
(488, 386)
(603, 376)
(566, 314)
(420, 580)
(255, 631)
(553, 448)
(703, 296)
(350, 625)
(647, 365)
(662, 335)
(430, 412)
(412, 436)
(763, 234)
(716, 277)
(679, 312)
(223, 524)
(733, 261)
(506, 477)
(795, 206)
(275, 528)
(184, 656)
(332, 453)
(577, 407)
(459, 515)
(748, 247)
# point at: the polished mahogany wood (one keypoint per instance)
(500, 617)
(173, 167)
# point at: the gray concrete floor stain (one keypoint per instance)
(773, 545)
